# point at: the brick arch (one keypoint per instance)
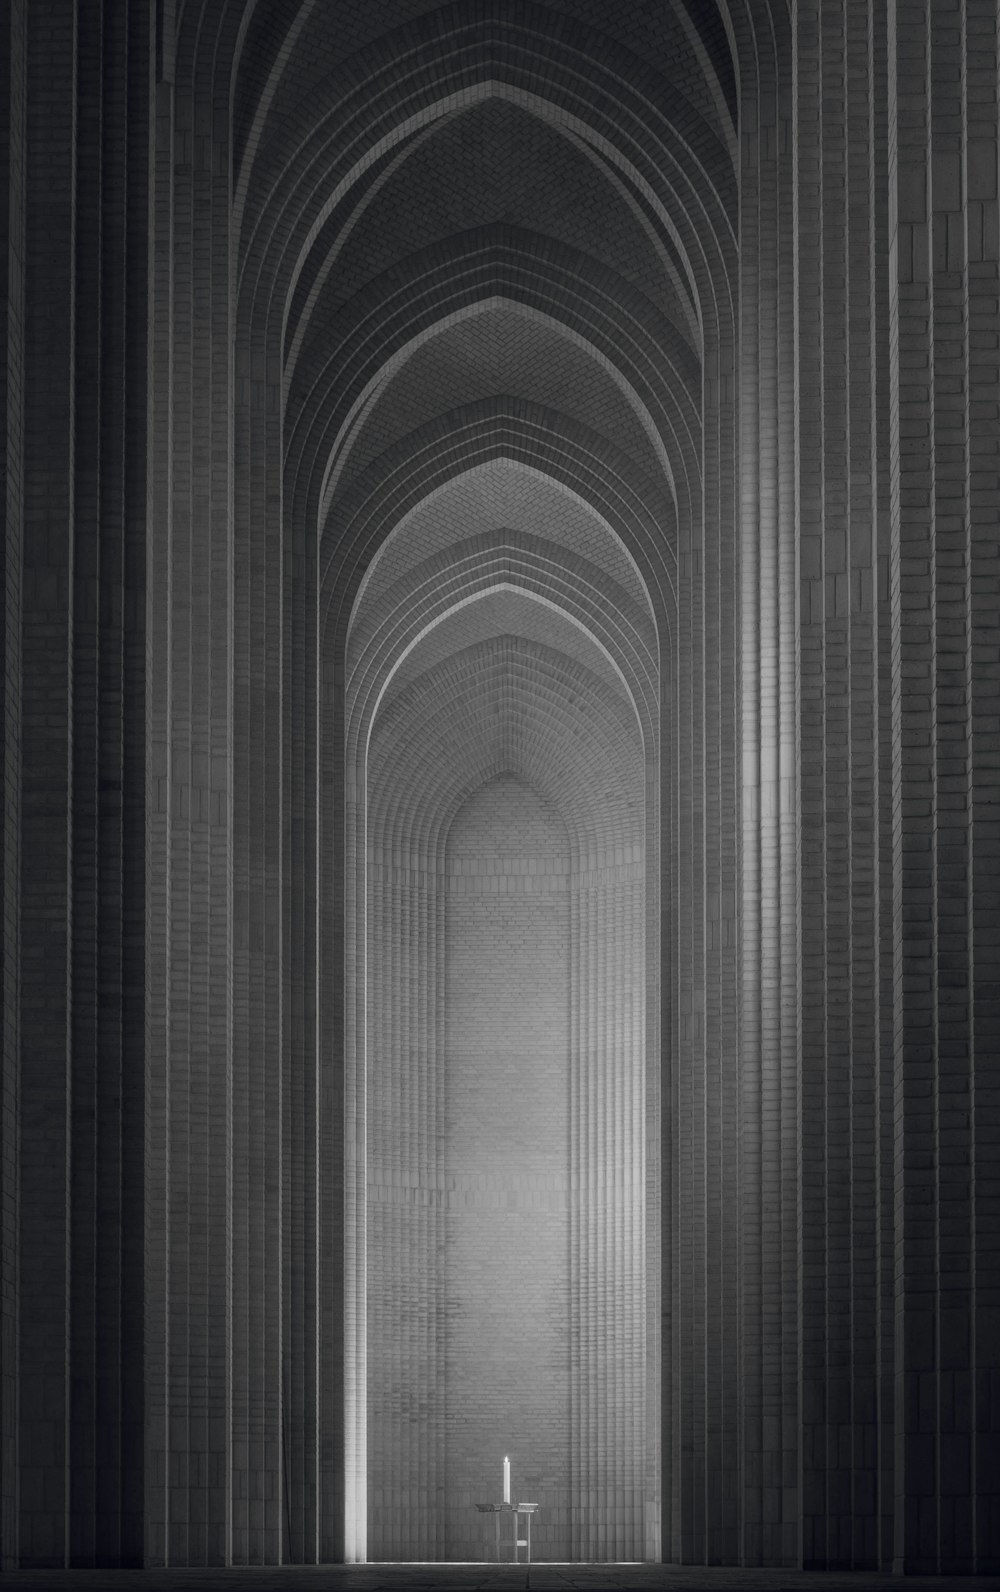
(269, 266)
(509, 609)
(412, 721)
(422, 187)
(265, 66)
(536, 54)
(489, 564)
(511, 496)
(637, 512)
(496, 265)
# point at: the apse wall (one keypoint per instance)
(506, 1221)
(507, 1155)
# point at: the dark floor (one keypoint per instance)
(484, 1578)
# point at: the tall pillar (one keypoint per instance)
(12, 271)
(46, 827)
(770, 1216)
(83, 862)
(842, 359)
(944, 590)
(189, 1294)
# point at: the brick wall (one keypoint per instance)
(507, 1163)
(506, 1106)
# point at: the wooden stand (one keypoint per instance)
(517, 1510)
(523, 1542)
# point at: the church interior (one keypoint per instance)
(500, 756)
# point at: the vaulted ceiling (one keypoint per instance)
(482, 234)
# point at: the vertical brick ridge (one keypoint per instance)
(911, 309)
(770, 1215)
(982, 663)
(11, 487)
(261, 1382)
(838, 486)
(90, 583)
(608, 1407)
(943, 267)
(109, 784)
(952, 1183)
(159, 716)
(721, 948)
(881, 408)
(190, 1297)
(943, 303)
(405, 1223)
(46, 721)
(134, 416)
(12, 288)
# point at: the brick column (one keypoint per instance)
(841, 372)
(83, 863)
(46, 828)
(769, 1215)
(12, 271)
(109, 782)
(974, 1186)
(944, 306)
(189, 1296)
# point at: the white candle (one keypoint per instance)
(506, 1479)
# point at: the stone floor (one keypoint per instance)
(482, 1578)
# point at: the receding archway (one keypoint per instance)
(505, 1135)
(503, 818)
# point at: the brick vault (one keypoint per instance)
(500, 738)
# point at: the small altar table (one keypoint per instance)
(517, 1510)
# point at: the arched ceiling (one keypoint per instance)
(496, 352)
(487, 254)
(511, 705)
(287, 53)
(504, 494)
(496, 463)
(495, 584)
(495, 161)
(507, 611)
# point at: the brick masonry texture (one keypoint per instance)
(500, 614)
(505, 1123)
